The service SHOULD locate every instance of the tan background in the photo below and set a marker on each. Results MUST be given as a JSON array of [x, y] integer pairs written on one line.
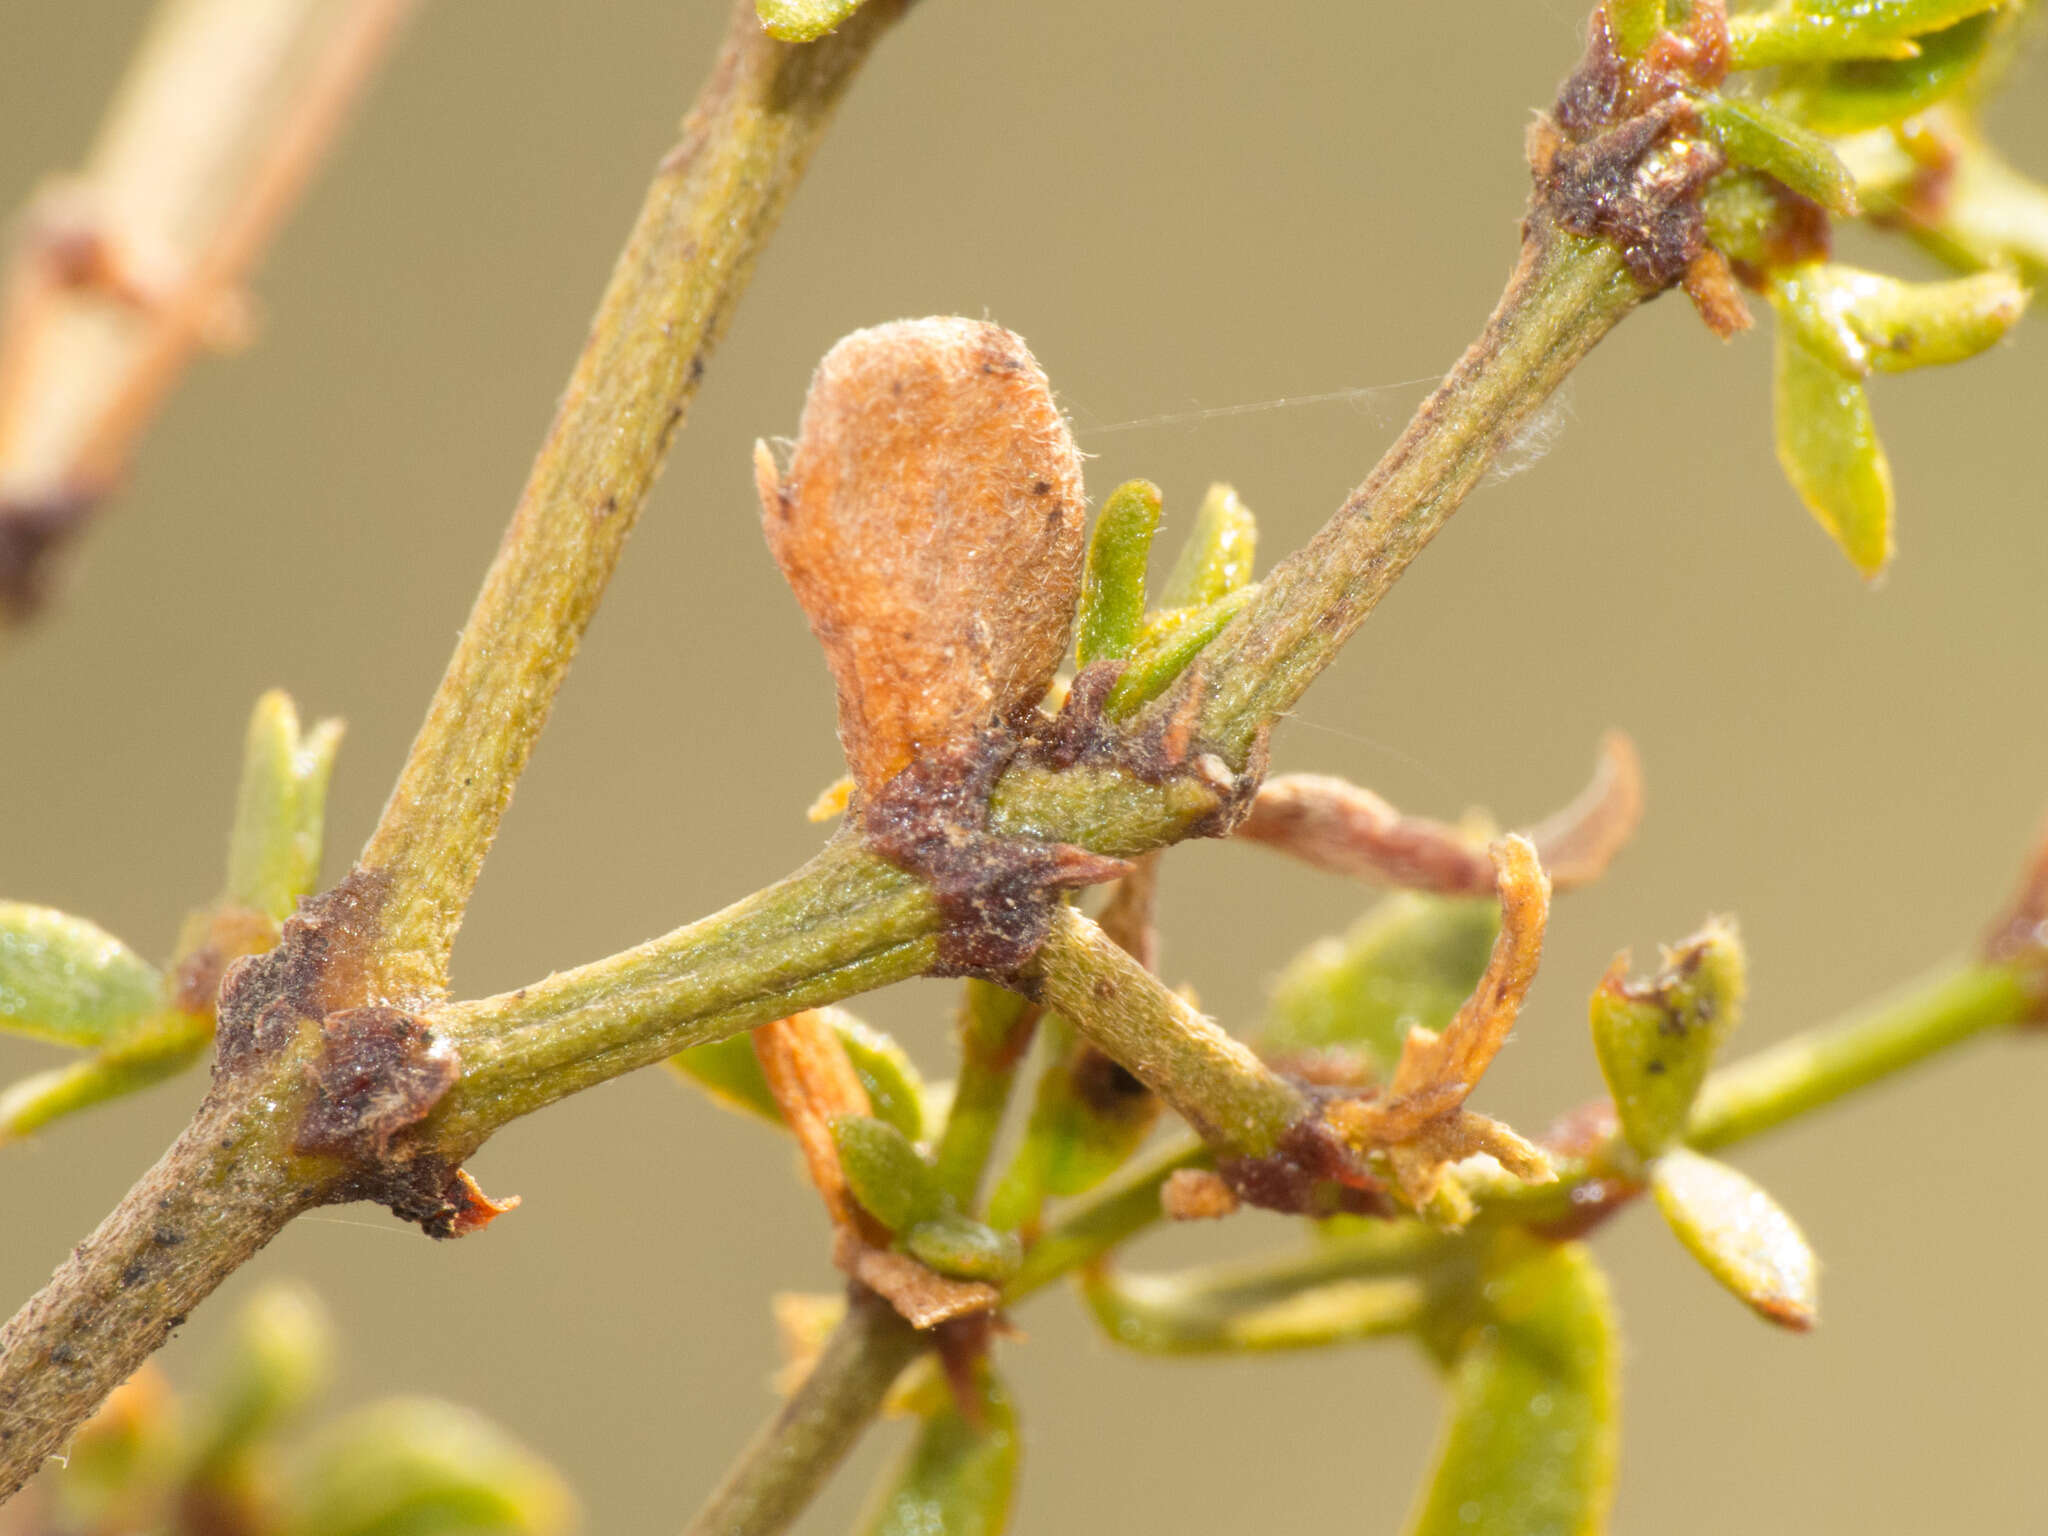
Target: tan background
[[1184, 208]]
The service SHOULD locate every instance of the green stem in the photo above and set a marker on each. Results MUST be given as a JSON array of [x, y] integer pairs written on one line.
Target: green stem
[[709, 212], [1102, 1219], [844, 923], [788, 1461], [995, 1031], [1209, 1076], [1814, 1069], [1566, 293]]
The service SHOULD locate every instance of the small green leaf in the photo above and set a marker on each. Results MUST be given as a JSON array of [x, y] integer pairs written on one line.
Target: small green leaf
[[1189, 1315], [1411, 961], [1879, 92], [161, 1046], [274, 854], [1656, 1039], [958, 1478], [1861, 322], [803, 21], [1740, 1235], [420, 1467], [886, 1173], [729, 1071], [1176, 637], [1216, 558], [1813, 31], [955, 1245], [1828, 447], [1113, 586], [278, 1359], [1529, 1447], [1752, 134], [64, 979]]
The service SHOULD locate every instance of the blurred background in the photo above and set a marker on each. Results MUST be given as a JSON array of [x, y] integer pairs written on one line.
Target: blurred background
[[1191, 212]]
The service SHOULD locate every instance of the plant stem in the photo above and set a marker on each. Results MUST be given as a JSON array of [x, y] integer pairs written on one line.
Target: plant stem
[[1208, 1075], [225, 113], [846, 922], [221, 1192], [1814, 1069], [789, 1460], [1566, 293], [995, 1031], [710, 210], [1103, 1218]]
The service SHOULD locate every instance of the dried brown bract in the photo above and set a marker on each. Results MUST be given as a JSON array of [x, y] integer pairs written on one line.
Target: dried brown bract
[[1348, 830], [1422, 1123], [930, 523], [814, 1084]]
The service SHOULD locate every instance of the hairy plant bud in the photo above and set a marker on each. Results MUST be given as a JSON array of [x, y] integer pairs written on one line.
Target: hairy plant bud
[[930, 524]]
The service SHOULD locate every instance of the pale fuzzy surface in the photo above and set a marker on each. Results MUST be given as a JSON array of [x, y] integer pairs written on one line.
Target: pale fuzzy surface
[[931, 525]]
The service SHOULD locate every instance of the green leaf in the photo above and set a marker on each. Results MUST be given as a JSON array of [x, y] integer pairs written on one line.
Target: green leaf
[[1656, 1039], [886, 1173], [729, 1071], [162, 1046], [1411, 961], [1752, 134], [1876, 93], [1862, 322], [1175, 637], [956, 1245], [1740, 1235], [274, 853], [1817, 30], [1529, 1447], [420, 1467], [64, 979], [1195, 1315], [1828, 447], [1216, 558], [803, 21], [958, 1478], [1113, 585]]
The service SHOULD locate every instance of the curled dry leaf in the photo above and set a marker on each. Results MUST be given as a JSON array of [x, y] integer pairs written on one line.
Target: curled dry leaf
[[1422, 1122], [1348, 830], [930, 524], [814, 1084]]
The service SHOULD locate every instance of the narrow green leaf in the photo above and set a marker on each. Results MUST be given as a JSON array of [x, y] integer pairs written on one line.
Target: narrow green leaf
[[161, 1046], [1176, 640], [1113, 585], [1409, 962], [729, 1071], [957, 1245], [1216, 558], [1529, 1447], [274, 854], [1828, 447], [1184, 1315], [1754, 135], [1657, 1038], [1814, 31], [1740, 1235], [957, 1479], [1919, 325], [886, 1173], [1875, 93], [803, 21], [420, 1467], [66, 980]]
